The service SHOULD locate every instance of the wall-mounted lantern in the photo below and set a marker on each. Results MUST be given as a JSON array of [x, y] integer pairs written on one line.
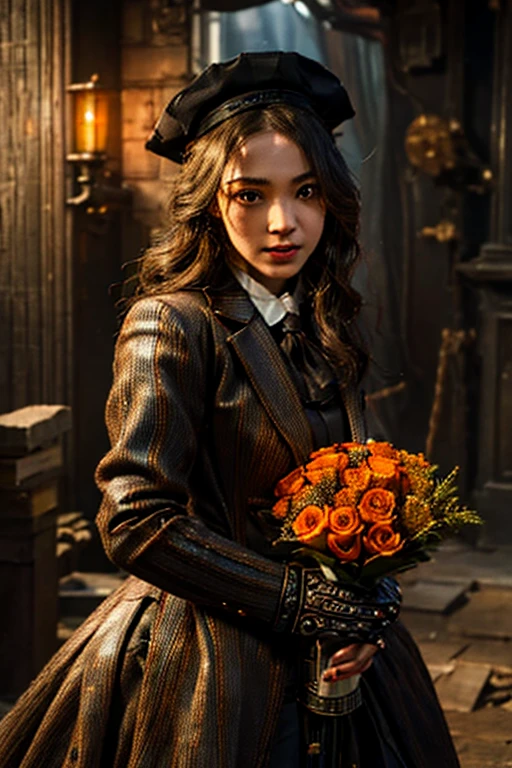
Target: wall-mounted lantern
[[90, 113], [92, 109]]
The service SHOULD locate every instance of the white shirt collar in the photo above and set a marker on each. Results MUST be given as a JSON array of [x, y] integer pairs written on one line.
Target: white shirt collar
[[272, 308]]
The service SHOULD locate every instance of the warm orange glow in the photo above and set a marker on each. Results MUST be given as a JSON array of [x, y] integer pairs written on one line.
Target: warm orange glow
[[91, 112]]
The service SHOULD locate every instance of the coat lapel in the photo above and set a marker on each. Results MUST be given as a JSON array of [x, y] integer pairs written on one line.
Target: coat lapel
[[256, 349], [254, 345], [267, 371]]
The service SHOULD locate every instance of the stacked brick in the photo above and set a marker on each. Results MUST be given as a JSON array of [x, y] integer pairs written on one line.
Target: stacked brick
[[155, 66]]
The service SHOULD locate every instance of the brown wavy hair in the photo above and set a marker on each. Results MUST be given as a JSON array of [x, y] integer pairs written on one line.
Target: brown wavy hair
[[190, 251]]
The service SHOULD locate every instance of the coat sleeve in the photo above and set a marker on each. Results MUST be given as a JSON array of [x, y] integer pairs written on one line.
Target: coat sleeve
[[154, 415]]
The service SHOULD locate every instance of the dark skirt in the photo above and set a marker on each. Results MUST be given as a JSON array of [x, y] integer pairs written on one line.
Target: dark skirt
[[389, 729], [359, 740]]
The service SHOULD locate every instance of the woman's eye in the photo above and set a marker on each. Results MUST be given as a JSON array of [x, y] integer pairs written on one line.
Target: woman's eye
[[307, 191], [247, 196]]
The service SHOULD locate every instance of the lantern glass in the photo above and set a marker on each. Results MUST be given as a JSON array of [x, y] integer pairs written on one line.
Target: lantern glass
[[91, 121]]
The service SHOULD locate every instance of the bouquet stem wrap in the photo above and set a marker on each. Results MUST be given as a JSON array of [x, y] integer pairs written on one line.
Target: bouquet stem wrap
[[322, 697]]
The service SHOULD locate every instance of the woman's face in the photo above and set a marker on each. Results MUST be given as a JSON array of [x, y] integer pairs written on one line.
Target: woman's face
[[271, 208]]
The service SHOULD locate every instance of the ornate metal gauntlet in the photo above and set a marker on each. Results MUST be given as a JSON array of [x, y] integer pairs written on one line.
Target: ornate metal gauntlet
[[325, 606]]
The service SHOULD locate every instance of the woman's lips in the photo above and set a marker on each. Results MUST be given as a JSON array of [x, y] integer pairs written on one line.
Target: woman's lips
[[282, 253]]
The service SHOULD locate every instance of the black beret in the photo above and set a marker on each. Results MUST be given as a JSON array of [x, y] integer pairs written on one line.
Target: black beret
[[249, 81]]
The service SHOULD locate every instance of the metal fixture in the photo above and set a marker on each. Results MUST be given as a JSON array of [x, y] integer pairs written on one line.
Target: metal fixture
[[92, 110]]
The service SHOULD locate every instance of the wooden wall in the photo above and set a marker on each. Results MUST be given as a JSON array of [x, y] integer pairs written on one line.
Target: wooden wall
[[35, 261]]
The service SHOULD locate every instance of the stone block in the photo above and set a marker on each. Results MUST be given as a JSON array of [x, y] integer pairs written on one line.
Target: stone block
[[139, 113], [133, 23], [144, 65], [26, 429], [138, 163]]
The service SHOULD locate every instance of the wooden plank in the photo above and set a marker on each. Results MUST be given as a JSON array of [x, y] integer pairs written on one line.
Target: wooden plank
[[424, 626], [439, 657], [25, 429], [437, 671], [441, 652], [24, 503], [460, 689], [28, 591], [480, 754], [488, 614], [434, 597], [27, 309], [35, 255], [487, 724], [14, 471], [484, 567], [497, 652], [482, 738]]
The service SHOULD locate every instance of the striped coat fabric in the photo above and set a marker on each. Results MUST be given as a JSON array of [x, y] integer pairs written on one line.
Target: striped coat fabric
[[180, 668]]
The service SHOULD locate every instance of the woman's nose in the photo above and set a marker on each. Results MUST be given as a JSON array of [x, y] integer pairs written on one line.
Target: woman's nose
[[281, 217]]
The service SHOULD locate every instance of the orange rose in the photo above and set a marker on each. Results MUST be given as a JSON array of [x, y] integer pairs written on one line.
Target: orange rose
[[319, 468], [281, 507], [291, 483], [347, 497], [382, 467], [345, 521], [383, 449], [345, 549], [357, 478], [384, 472], [381, 539], [326, 451], [377, 506], [343, 463], [327, 460], [316, 475], [310, 524]]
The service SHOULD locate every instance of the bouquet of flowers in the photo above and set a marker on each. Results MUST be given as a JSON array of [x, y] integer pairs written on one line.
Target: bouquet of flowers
[[364, 511]]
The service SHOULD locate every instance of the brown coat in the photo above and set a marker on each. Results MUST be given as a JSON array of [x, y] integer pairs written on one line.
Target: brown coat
[[180, 667]]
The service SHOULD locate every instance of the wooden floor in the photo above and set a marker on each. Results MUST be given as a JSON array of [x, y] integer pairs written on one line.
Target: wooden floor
[[459, 609]]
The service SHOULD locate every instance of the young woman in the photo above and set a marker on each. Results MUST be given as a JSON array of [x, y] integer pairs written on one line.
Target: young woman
[[233, 364]]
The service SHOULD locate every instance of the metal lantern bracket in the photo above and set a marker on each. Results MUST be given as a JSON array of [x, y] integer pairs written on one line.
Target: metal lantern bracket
[[97, 196], [91, 106]]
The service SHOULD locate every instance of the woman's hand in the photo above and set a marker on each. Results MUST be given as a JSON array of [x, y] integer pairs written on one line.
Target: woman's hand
[[349, 661]]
